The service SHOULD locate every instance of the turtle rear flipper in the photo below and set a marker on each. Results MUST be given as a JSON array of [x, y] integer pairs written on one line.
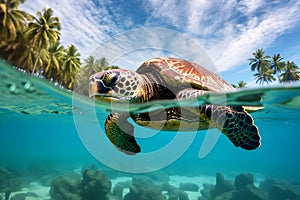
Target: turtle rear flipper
[[248, 139], [120, 133], [237, 125]]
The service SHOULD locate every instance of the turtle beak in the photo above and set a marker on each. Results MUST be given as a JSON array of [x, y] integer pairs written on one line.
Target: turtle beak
[[102, 84], [93, 89], [97, 88], [93, 86]]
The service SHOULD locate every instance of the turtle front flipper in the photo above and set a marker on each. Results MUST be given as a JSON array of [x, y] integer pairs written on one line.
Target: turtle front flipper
[[236, 124], [120, 133]]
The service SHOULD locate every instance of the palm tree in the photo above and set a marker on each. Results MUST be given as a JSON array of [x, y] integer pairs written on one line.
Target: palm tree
[[290, 73], [90, 61], [103, 63], [277, 63], [265, 76], [43, 31], [262, 65], [54, 61], [112, 67], [241, 84], [81, 85], [259, 61], [92, 65], [12, 20], [20, 52], [70, 67]]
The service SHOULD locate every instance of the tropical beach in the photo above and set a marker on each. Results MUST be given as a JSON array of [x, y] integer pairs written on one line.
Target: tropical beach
[[32, 42], [55, 141]]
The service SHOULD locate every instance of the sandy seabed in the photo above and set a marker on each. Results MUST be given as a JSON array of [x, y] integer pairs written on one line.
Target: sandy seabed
[[43, 191]]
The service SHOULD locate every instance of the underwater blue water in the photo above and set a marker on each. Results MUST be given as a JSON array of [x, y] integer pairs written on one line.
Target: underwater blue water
[[37, 126]]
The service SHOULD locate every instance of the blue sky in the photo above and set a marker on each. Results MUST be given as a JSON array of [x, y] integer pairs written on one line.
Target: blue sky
[[228, 30]]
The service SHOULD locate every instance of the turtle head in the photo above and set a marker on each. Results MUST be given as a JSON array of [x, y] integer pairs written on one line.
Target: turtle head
[[114, 85]]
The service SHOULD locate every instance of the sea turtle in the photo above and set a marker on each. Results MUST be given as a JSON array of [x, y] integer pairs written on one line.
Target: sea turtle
[[170, 78]]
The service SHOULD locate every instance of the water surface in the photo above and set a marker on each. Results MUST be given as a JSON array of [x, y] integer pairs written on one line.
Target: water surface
[[37, 126]]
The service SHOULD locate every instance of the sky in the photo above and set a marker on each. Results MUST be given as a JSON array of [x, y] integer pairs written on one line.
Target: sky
[[218, 34]]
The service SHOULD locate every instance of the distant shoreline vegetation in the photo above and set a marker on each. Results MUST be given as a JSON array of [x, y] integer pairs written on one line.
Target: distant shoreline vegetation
[[271, 68], [32, 43]]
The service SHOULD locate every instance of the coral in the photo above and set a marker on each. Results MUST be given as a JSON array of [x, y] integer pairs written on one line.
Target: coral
[[10, 181], [279, 192], [24, 196], [5, 175], [206, 192], [243, 188], [143, 188], [151, 192], [249, 192], [189, 187], [224, 196], [243, 180], [145, 192], [95, 185], [222, 185], [118, 189], [64, 188], [142, 180], [182, 195], [175, 193], [267, 184], [280, 189]]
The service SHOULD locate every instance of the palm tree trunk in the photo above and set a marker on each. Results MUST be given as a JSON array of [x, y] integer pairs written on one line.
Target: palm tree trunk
[[35, 63]]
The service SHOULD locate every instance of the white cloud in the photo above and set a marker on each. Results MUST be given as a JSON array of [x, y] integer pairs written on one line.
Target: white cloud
[[132, 48], [230, 30], [250, 6], [258, 32], [83, 23]]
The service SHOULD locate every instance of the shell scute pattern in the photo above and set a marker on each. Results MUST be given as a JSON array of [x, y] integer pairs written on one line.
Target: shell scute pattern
[[127, 85], [177, 72], [169, 78]]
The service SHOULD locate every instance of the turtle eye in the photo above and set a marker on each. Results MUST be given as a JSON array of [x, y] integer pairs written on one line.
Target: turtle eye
[[114, 80], [111, 79]]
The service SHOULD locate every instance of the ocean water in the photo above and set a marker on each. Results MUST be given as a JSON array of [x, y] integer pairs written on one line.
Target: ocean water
[[43, 125]]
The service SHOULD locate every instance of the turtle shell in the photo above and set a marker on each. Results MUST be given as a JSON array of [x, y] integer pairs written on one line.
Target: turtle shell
[[177, 73]]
